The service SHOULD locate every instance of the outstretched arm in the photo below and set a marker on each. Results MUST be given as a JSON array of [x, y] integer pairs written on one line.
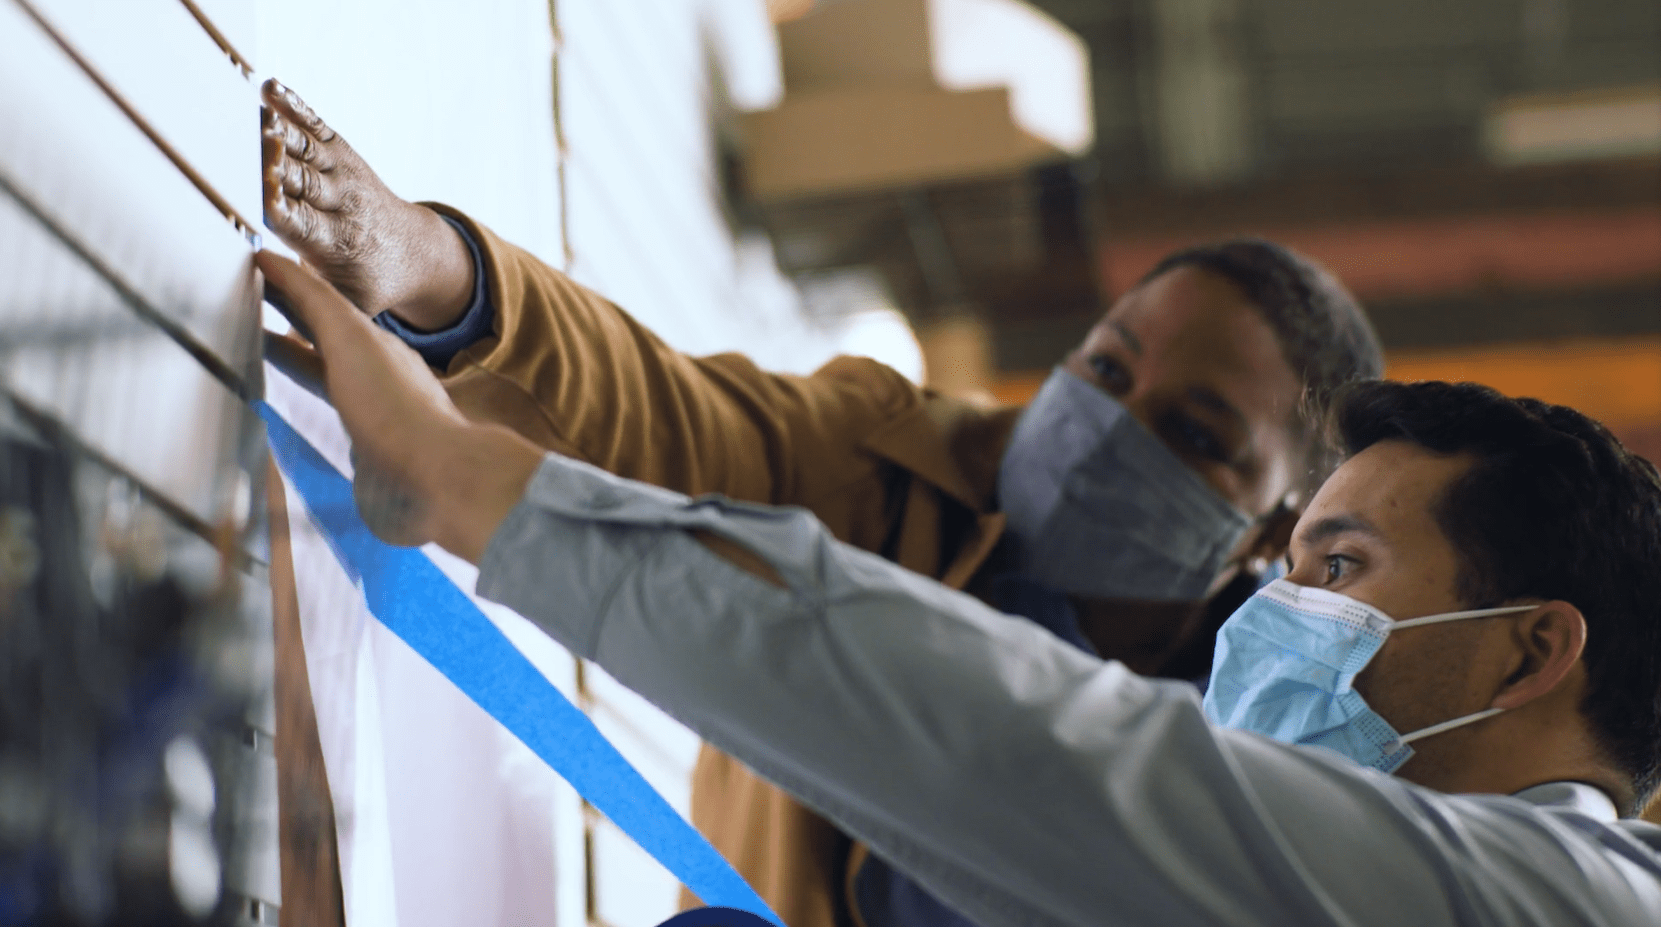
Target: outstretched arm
[[1018, 779], [557, 363]]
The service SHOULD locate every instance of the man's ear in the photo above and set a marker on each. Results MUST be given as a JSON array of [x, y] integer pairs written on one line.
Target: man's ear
[[1548, 641]]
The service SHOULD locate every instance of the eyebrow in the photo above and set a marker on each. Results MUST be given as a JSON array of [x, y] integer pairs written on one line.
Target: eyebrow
[[1338, 524], [1126, 335]]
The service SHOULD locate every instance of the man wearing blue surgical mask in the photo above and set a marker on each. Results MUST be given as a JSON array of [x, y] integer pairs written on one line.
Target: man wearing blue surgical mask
[[1473, 602], [1164, 456], [1439, 717]]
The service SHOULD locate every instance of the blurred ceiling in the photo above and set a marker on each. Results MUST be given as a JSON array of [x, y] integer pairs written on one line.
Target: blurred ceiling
[[1346, 84], [1361, 133], [1358, 133]]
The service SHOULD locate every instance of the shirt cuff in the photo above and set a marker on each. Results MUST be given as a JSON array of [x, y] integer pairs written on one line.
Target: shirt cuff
[[478, 322]]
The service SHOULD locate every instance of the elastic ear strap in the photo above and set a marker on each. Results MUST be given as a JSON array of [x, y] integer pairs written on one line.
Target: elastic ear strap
[[1455, 616], [1450, 725]]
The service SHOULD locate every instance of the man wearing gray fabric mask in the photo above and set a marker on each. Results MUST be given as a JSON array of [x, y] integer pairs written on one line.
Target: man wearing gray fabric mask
[[1165, 455]]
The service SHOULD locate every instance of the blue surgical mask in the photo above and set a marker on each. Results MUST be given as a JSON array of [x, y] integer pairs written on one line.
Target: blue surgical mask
[[1286, 663], [1099, 507]]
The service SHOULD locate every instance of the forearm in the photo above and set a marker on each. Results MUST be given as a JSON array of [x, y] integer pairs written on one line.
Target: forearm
[[576, 374], [973, 750]]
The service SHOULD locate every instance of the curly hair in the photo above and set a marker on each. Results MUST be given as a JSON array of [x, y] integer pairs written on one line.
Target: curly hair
[[1322, 330]]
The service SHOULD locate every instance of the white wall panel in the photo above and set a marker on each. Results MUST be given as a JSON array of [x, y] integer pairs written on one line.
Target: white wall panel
[[160, 61], [79, 182], [102, 183], [447, 101], [236, 21]]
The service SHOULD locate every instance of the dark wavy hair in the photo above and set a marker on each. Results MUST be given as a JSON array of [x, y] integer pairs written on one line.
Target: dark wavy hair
[[1553, 508], [1322, 330]]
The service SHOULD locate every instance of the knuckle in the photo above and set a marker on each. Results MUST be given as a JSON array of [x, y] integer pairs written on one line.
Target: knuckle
[[280, 216], [291, 182], [294, 140]]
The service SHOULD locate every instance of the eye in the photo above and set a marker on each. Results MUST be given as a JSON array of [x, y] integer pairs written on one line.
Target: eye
[[1339, 567], [1114, 376], [1188, 436]]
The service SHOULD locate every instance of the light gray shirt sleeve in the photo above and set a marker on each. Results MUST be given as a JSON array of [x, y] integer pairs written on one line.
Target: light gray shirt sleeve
[[1019, 780]]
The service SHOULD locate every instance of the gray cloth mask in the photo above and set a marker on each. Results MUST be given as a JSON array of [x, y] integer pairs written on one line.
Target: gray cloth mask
[[1100, 507]]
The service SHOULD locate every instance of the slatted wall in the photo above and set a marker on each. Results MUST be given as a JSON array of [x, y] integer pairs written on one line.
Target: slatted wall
[[129, 321]]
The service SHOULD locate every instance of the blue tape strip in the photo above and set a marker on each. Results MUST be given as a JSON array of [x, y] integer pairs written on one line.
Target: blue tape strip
[[416, 601]]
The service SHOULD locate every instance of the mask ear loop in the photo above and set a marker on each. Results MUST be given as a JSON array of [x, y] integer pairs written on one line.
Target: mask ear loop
[[1475, 716], [1456, 616], [1471, 718]]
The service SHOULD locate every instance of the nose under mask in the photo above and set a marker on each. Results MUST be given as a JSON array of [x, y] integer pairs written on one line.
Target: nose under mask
[[1100, 507]]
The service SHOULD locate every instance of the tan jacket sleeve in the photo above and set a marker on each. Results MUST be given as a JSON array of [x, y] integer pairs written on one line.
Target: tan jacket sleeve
[[578, 375]]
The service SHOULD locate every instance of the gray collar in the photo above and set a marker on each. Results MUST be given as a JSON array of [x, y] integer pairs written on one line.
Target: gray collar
[[1572, 796]]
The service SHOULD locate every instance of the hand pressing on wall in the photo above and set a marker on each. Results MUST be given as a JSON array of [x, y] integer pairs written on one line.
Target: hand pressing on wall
[[322, 200], [424, 472]]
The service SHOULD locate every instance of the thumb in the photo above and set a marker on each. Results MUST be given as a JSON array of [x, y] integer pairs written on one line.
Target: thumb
[[309, 302]]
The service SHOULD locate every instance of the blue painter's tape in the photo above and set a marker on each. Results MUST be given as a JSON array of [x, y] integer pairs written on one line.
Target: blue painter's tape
[[415, 600]]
